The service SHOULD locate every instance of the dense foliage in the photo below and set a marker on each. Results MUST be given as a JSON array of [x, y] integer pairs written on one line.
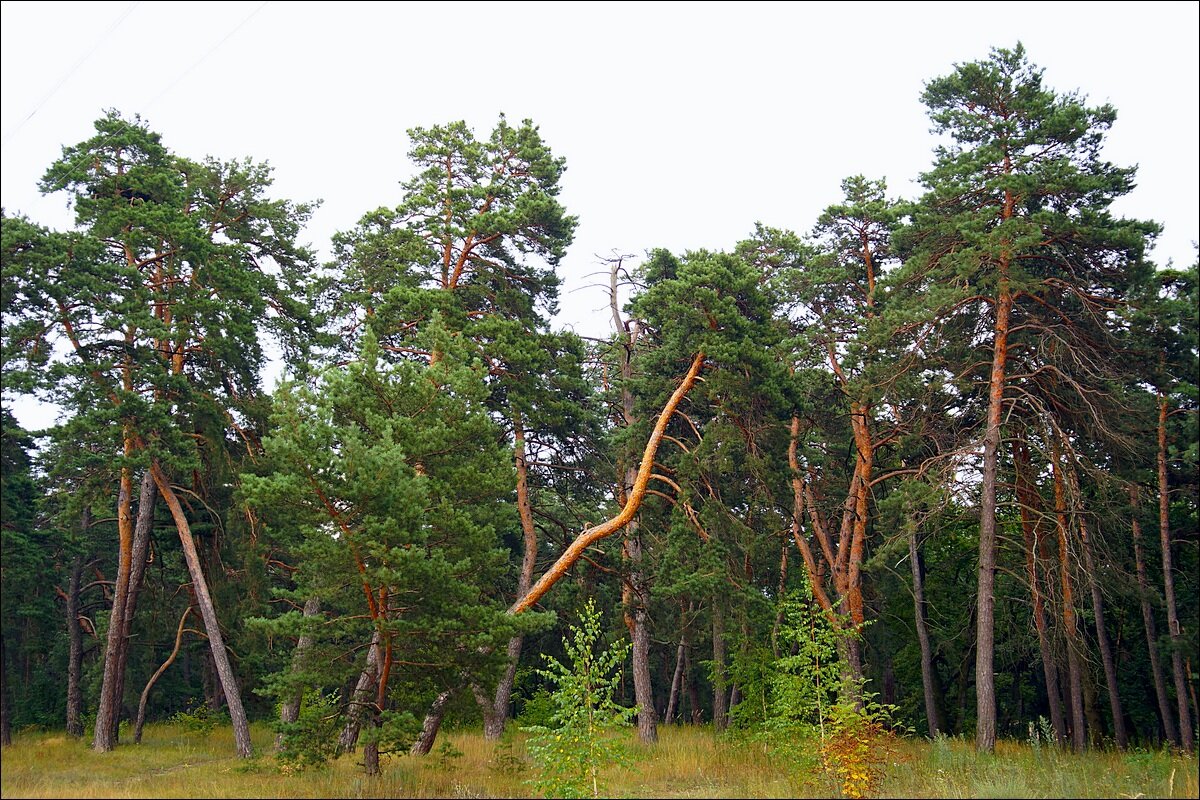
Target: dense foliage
[[936, 457]]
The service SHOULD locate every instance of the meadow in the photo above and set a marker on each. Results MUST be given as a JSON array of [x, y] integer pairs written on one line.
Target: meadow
[[174, 761]]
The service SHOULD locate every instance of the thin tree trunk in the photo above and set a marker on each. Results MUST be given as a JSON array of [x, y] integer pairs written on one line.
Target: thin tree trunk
[[1173, 628], [141, 712], [147, 494], [918, 573], [1074, 646], [720, 711], [1102, 640], [108, 706], [289, 710], [431, 725], [75, 646], [360, 698], [1031, 527], [216, 641], [1170, 732], [496, 711], [677, 678]]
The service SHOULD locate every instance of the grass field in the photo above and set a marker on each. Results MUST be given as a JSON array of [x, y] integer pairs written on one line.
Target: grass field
[[687, 762]]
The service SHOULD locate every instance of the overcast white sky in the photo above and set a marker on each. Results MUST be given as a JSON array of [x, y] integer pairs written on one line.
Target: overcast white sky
[[682, 123]]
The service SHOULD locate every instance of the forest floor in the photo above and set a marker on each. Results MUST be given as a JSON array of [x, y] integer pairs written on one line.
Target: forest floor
[[173, 761]]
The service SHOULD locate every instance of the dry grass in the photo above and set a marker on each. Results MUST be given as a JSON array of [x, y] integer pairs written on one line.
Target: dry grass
[[687, 762]]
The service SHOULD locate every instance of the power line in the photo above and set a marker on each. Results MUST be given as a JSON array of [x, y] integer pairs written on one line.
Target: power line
[[46, 97]]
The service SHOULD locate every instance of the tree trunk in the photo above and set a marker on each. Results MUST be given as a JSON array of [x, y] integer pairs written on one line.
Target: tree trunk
[[1173, 629], [141, 712], [108, 708], [676, 679], [1102, 640], [496, 710], [431, 725], [289, 710], [1074, 646], [75, 645], [985, 647], [1031, 515], [1170, 732], [720, 711], [147, 494], [360, 698], [642, 688], [216, 641], [371, 748], [918, 573]]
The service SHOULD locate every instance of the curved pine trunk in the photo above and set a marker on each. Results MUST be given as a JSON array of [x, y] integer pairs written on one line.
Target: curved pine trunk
[[141, 712]]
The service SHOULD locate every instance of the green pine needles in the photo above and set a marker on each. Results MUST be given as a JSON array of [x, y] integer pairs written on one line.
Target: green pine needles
[[582, 738]]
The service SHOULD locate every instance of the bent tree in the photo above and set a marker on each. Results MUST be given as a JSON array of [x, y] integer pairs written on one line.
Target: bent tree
[[158, 297], [1013, 234]]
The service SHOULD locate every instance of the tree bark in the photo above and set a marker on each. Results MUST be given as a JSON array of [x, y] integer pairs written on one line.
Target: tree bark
[[918, 573], [289, 710], [75, 645], [642, 688], [216, 641], [1173, 628], [141, 712], [1170, 732], [720, 711], [139, 551], [1031, 527], [431, 725], [360, 698], [985, 645], [1074, 646], [108, 706]]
